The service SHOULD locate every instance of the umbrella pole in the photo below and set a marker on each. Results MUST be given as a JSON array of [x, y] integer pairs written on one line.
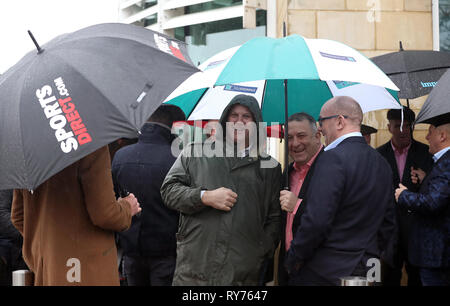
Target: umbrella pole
[[407, 103], [286, 150]]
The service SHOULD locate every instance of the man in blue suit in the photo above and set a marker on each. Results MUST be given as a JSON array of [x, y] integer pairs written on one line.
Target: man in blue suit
[[429, 244], [350, 214]]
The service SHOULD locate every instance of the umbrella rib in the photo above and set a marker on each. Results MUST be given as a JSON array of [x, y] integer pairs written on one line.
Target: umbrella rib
[[24, 74]]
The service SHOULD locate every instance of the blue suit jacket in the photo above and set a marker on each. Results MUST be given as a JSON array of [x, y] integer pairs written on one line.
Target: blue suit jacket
[[349, 218], [429, 244], [140, 169]]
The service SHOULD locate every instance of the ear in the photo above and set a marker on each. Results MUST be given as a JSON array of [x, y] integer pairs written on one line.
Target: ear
[[340, 123], [443, 136], [318, 135]]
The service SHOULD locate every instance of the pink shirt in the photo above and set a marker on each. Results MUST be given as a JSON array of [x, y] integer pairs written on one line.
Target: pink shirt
[[400, 158], [296, 178]]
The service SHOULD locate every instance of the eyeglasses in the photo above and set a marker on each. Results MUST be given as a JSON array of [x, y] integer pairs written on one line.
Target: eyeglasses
[[321, 119]]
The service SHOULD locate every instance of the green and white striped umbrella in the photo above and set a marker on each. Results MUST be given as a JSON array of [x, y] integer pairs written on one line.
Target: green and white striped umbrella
[[314, 70]]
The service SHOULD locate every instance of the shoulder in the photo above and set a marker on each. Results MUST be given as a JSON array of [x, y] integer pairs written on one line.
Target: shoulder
[[124, 151], [331, 157], [443, 163], [420, 147], [384, 148]]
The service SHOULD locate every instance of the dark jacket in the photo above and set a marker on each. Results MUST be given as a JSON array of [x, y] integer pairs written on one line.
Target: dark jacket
[[282, 273], [7, 229], [429, 244], [10, 238], [349, 217], [418, 157], [140, 169], [216, 247], [10, 241]]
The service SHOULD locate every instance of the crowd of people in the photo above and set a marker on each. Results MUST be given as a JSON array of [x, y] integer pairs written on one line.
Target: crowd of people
[[218, 220]]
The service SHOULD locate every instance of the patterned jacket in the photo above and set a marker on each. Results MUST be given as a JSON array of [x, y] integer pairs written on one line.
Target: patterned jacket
[[429, 244]]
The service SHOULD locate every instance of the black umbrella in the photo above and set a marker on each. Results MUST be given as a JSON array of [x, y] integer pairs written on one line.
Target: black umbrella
[[80, 92], [414, 72], [436, 108]]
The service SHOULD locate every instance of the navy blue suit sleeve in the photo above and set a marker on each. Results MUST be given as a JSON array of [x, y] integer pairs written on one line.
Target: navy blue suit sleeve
[[435, 196], [324, 196]]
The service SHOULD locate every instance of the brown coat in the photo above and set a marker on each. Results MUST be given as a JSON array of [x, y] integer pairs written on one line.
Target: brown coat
[[72, 215]]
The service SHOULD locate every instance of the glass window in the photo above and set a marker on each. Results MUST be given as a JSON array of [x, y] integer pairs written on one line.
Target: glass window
[[444, 25], [206, 39]]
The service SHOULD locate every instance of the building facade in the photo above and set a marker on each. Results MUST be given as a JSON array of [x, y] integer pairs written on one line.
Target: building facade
[[374, 27]]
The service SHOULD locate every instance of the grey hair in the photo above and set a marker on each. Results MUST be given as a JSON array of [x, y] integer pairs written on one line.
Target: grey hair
[[304, 117]]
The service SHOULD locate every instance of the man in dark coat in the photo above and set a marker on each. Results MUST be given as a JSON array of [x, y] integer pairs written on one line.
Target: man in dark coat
[[409, 161], [149, 246], [304, 148], [429, 244], [229, 203], [349, 220]]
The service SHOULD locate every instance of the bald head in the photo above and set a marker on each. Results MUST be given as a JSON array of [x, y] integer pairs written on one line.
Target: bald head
[[344, 105], [445, 128], [341, 115]]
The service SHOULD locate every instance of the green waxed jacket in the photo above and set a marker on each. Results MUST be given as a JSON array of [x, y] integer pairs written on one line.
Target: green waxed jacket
[[216, 247]]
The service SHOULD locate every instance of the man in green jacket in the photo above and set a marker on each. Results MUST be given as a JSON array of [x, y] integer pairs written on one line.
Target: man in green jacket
[[230, 212]]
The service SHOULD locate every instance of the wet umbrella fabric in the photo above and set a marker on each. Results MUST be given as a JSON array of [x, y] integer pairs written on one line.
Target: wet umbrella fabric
[[286, 75], [414, 72], [315, 70], [81, 92], [436, 108]]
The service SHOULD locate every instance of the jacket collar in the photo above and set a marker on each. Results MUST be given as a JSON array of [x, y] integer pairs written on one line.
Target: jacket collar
[[441, 153], [341, 139], [152, 132]]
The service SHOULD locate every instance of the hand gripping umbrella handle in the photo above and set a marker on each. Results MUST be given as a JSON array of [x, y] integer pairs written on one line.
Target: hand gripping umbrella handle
[[123, 193]]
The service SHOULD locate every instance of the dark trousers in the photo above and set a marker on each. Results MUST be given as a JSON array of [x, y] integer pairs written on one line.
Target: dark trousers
[[10, 260], [149, 271], [435, 277], [307, 277]]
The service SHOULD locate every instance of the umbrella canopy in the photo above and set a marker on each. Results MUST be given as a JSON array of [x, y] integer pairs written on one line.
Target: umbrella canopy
[[315, 70], [80, 92], [414, 72], [436, 107]]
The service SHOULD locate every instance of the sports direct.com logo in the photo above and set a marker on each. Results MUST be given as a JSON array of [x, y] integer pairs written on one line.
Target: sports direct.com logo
[[64, 119]]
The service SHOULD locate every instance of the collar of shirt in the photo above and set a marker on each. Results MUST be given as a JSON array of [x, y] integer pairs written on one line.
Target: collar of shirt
[[309, 163], [400, 151], [336, 142], [440, 153]]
